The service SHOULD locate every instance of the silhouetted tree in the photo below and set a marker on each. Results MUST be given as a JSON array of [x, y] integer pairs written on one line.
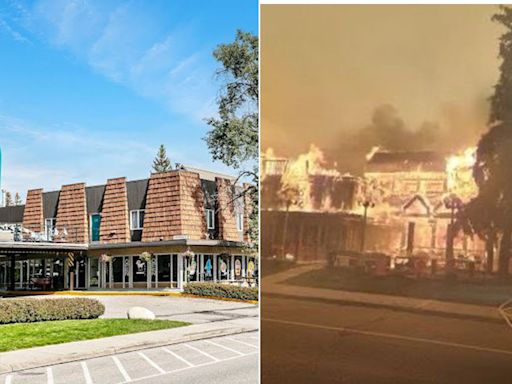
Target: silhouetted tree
[[490, 213]]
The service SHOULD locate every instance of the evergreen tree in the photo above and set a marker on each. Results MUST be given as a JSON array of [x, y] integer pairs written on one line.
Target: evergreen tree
[[490, 213], [17, 199], [161, 162], [8, 199]]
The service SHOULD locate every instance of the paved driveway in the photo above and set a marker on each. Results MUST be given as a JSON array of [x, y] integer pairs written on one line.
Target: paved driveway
[[232, 359]]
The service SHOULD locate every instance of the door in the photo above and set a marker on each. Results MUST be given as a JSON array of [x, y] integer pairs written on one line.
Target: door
[[80, 270]]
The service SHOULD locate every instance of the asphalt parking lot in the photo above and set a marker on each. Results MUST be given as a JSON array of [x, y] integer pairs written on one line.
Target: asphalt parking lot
[[190, 362]]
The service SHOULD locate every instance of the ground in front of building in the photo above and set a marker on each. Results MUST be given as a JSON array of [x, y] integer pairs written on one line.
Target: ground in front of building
[[225, 360]]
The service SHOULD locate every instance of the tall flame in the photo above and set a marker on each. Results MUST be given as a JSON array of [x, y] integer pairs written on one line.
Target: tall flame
[[459, 173]]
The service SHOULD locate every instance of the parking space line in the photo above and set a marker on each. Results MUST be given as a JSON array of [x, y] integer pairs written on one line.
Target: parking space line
[[241, 342], [201, 352], [49, 374], [179, 357], [87, 375], [8, 379], [125, 374], [151, 362], [224, 347]]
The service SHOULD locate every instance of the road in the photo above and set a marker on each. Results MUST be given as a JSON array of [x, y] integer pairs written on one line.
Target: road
[[311, 342], [222, 360]]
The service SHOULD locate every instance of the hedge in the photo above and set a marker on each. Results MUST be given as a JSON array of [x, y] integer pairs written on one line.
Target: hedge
[[221, 290], [25, 310]]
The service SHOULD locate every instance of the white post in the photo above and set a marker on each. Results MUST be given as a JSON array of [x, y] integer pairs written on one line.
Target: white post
[[110, 274], [180, 271]]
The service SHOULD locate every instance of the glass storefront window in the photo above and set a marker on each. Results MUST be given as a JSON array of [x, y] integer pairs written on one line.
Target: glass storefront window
[[94, 272], [164, 268], [117, 269], [139, 270]]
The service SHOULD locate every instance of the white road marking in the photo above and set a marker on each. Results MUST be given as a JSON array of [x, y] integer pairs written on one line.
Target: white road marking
[[179, 357], [49, 374], [125, 374], [87, 375], [190, 367], [224, 347], [201, 352], [151, 362], [394, 336], [8, 379], [241, 342]]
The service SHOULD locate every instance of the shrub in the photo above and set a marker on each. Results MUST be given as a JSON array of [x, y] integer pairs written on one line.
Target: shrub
[[221, 290], [25, 310]]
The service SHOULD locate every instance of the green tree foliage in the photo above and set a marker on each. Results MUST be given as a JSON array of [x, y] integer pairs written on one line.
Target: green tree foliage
[[161, 162], [490, 213], [233, 138]]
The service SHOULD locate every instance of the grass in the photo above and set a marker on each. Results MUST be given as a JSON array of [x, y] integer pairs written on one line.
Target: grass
[[272, 266], [28, 335], [480, 293]]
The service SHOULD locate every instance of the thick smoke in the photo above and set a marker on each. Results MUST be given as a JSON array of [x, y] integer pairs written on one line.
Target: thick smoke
[[456, 129]]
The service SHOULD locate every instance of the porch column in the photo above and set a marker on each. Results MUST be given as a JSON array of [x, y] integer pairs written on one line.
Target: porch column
[[180, 271]]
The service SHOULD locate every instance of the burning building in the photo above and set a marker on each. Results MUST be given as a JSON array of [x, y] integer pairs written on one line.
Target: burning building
[[408, 196]]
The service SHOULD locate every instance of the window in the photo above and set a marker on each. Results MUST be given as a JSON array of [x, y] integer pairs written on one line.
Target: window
[[240, 222], [94, 223], [136, 219], [49, 228], [210, 218]]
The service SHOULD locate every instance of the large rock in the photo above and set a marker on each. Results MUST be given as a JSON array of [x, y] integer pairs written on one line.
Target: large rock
[[140, 313]]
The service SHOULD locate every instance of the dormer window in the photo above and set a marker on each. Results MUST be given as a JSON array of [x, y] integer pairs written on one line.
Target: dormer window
[[240, 222], [49, 228], [210, 218], [136, 219]]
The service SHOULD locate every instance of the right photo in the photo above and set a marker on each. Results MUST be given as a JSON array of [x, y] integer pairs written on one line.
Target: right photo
[[386, 193]]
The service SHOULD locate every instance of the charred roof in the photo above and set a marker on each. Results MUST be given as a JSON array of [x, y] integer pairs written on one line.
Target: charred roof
[[406, 161]]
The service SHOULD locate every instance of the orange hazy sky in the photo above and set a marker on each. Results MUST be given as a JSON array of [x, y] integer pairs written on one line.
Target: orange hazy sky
[[325, 68]]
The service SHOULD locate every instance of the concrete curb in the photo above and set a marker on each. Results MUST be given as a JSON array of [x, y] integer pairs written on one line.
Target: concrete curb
[[86, 348], [419, 309]]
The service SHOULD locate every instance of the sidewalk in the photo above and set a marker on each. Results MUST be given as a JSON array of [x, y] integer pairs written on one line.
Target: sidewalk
[[274, 285], [80, 350]]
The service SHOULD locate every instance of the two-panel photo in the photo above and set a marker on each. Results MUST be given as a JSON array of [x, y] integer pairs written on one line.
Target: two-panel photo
[[245, 192]]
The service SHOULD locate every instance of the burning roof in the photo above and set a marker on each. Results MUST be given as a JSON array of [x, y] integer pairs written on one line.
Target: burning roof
[[405, 161]]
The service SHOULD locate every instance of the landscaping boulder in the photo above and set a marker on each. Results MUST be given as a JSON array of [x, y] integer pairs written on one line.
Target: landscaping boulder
[[140, 313]]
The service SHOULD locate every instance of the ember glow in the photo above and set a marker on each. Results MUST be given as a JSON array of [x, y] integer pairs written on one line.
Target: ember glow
[[459, 171]]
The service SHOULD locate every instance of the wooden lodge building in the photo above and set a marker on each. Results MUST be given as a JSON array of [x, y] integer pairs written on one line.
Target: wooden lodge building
[[161, 232]]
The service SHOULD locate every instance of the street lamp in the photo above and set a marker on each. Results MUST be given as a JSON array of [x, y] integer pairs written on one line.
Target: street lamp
[[453, 203], [367, 203]]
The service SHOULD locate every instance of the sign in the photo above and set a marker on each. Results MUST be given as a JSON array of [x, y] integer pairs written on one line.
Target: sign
[[141, 267], [192, 267], [180, 237], [223, 267], [250, 269], [238, 267], [208, 268]]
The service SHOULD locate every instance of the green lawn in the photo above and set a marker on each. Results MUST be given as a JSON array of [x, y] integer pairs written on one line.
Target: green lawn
[[28, 335], [490, 292]]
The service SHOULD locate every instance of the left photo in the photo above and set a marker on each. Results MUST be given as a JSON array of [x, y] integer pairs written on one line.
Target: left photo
[[129, 192]]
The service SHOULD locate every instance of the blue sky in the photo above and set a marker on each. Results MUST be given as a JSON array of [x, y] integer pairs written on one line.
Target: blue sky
[[90, 89]]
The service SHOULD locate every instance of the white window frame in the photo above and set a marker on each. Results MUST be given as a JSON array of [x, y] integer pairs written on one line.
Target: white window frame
[[210, 218], [139, 226], [49, 235], [239, 221]]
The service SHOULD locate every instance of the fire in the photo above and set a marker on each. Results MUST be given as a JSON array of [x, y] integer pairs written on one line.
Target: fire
[[459, 173]]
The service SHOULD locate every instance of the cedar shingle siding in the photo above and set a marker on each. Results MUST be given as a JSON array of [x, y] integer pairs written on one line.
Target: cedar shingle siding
[[174, 206], [33, 213], [72, 214], [114, 226], [226, 207]]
